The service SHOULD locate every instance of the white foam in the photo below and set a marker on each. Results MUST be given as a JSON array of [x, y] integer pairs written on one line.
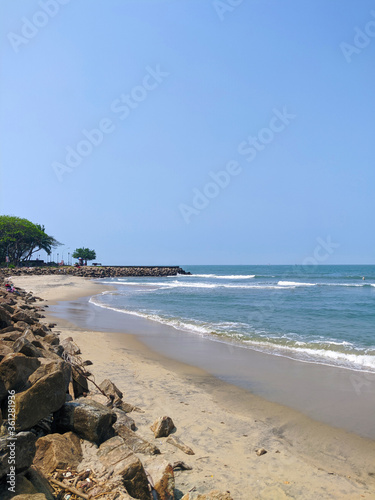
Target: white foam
[[295, 283], [225, 277]]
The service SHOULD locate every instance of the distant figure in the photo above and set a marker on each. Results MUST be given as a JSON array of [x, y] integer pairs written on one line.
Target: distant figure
[[363, 278]]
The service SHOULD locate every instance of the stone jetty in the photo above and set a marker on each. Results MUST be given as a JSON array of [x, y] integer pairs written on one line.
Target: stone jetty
[[97, 271]]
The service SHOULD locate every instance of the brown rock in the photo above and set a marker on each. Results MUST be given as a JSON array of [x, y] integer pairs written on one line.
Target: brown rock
[[162, 476], [110, 389], [25, 347], [49, 366], [58, 451], [117, 457], [80, 384], [23, 448], [15, 369], [23, 316], [47, 395], [135, 442], [175, 441], [70, 347], [123, 419], [5, 318], [162, 427], [87, 418], [40, 482]]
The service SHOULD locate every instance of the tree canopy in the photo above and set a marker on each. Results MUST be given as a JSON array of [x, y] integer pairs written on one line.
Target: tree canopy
[[84, 253], [20, 239]]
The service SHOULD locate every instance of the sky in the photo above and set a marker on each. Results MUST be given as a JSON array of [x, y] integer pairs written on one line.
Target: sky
[[177, 132]]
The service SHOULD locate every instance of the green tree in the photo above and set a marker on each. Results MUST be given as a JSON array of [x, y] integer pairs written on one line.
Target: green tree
[[20, 239], [84, 253]]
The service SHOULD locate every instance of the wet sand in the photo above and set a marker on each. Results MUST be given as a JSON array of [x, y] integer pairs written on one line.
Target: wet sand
[[222, 422]]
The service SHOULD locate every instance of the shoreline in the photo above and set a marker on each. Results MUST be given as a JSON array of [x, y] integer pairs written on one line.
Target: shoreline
[[314, 459]]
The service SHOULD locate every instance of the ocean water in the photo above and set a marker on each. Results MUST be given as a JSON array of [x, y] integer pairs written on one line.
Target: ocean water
[[316, 314]]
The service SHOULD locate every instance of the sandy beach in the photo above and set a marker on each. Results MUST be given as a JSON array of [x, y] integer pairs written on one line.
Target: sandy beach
[[222, 423]]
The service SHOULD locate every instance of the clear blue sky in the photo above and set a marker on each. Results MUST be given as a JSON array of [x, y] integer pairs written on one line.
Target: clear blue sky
[[180, 89]]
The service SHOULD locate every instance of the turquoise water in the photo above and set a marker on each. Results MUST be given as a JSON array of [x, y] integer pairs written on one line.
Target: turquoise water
[[319, 314]]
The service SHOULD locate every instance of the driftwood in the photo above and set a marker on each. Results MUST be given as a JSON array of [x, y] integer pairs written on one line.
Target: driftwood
[[71, 489]]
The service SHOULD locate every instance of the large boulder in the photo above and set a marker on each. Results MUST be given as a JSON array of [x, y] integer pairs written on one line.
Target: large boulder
[[87, 418], [120, 460], [46, 396], [58, 451], [15, 370], [5, 318], [23, 316], [21, 449], [40, 482], [49, 366], [24, 346]]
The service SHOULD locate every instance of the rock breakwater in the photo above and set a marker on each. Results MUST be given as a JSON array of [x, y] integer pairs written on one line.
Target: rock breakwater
[[62, 435], [97, 271]]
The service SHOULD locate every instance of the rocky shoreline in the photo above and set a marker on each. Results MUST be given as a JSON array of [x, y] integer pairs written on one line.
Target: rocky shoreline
[[64, 436], [97, 271]]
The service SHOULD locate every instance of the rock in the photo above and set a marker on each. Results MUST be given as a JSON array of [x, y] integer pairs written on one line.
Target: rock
[[15, 370], [87, 418], [260, 452], [23, 316], [117, 457], [40, 330], [5, 318], [162, 427], [70, 347], [48, 367], [40, 482], [179, 444], [25, 347], [23, 487], [110, 389], [23, 448], [123, 419], [13, 335], [51, 339], [99, 398], [47, 395], [162, 475], [57, 451], [4, 351], [134, 442], [80, 385]]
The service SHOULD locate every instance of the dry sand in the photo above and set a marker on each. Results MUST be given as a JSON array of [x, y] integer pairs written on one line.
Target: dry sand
[[222, 423]]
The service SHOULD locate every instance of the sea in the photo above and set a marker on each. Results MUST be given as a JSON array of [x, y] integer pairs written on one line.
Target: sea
[[315, 314]]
